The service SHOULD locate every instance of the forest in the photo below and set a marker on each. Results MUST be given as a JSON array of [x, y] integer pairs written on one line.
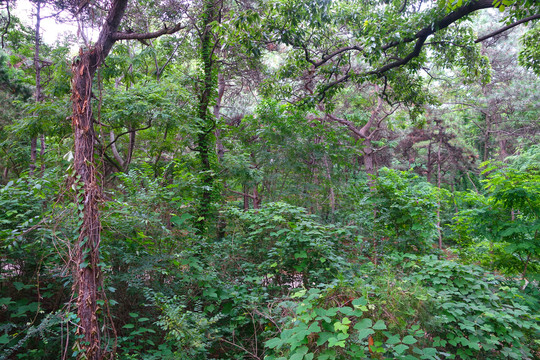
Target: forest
[[270, 179]]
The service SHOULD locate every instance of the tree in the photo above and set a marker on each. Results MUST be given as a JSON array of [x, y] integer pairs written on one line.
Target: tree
[[87, 270]]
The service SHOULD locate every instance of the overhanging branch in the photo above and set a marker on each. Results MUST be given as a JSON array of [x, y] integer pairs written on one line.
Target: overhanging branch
[[150, 35], [508, 27]]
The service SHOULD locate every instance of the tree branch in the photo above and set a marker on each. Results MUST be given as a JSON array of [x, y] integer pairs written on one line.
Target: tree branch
[[150, 35], [129, 131], [508, 27], [444, 22]]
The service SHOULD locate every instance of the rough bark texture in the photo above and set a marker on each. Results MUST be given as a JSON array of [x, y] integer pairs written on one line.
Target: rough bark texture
[[87, 272]]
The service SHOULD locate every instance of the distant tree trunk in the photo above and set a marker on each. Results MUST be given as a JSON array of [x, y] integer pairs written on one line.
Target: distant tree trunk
[[33, 155], [487, 133], [37, 68], [328, 173], [256, 198], [503, 153], [428, 164], [42, 153], [368, 155], [220, 149], [439, 186], [246, 198]]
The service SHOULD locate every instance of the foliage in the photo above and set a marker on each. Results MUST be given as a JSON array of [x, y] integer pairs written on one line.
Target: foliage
[[477, 315], [397, 213], [237, 216], [509, 212], [331, 324], [286, 246], [529, 56]]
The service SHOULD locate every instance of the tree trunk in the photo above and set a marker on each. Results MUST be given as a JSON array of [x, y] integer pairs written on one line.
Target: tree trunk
[[439, 186], [256, 198], [37, 68], [42, 153], [368, 155], [205, 138], [87, 271], [328, 172], [220, 149], [246, 197], [33, 155]]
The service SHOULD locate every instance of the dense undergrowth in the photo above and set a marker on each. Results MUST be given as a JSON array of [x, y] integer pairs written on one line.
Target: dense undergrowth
[[279, 282]]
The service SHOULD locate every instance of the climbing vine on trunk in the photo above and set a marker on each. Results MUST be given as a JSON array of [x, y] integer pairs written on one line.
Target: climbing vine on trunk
[[208, 190]]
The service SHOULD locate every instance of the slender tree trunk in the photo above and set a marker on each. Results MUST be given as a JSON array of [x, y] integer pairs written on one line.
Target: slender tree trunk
[[368, 157], [328, 173], [256, 198], [37, 68], [429, 164], [42, 153], [246, 197], [87, 271], [220, 149], [33, 155], [439, 186], [503, 154], [487, 133]]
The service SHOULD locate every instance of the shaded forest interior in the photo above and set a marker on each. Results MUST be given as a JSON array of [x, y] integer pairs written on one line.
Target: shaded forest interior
[[270, 179]]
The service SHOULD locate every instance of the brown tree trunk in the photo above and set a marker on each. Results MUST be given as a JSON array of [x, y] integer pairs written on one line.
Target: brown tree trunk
[[42, 153], [33, 155], [256, 198], [87, 271]]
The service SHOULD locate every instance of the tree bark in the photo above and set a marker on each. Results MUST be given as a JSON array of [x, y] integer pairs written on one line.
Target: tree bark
[[87, 271]]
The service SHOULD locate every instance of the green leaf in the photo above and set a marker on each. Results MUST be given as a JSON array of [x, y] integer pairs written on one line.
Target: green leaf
[[363, 324], [274, 343], [362, 334], [323, 337], [4, 339], [399, 349], [379, 325], [409, 340]]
